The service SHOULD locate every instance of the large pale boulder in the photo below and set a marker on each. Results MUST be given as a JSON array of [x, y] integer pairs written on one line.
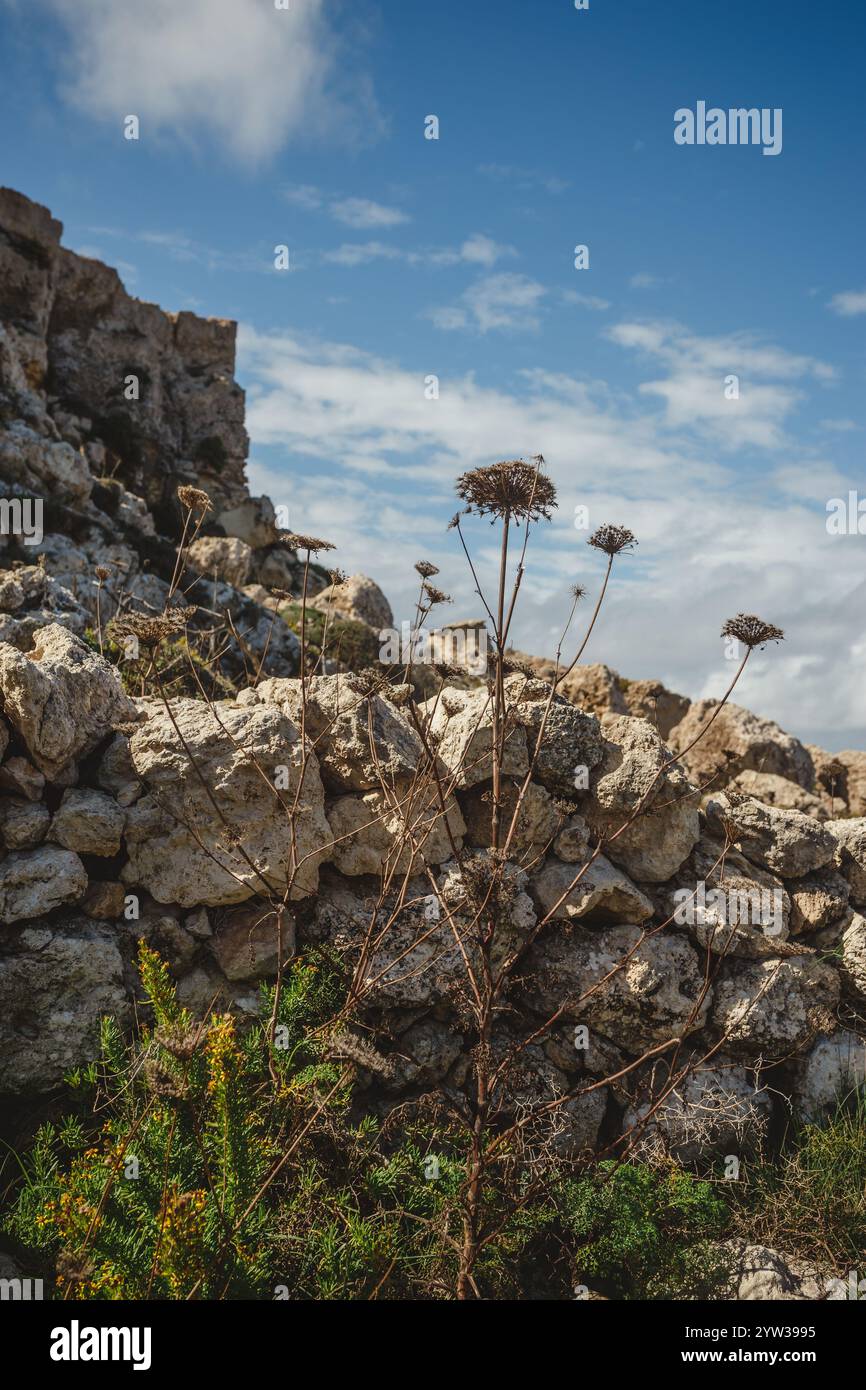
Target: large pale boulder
[[718, 1107], [635, 989], [360, 738], [460, 728], [850, 837], [603, 895], [358, 598], [730, 906], [23, 824], [571, 741], [818, 899], [737, 740], [635, 773], [56, 984], [854, 762], [760, 1275], [376, 832], [652, 701], [88, 821], [772, 1008], [49, 468], [216, 824], [538, 820], [788, 843], [36, 881], [781, 792], [833, 1070], [227, 557], [61, 697]]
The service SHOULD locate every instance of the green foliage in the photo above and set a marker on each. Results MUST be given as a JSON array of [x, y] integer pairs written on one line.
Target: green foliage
[[161, 1201], [821, 1171], [644, 1233], [354, 644]]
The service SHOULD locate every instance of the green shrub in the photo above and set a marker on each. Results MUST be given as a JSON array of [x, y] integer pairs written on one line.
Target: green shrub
[[646, 1233]]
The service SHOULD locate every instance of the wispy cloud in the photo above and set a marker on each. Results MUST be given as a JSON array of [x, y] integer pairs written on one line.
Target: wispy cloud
[[698, 560], [364, 213], [244, 74], [849, 303], [476, 250], [525, 179], [507, 301]]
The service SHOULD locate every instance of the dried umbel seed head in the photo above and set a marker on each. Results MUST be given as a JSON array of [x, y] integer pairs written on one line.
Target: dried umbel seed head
[[752, 631], [577, 592], [149, 631], [426, 570], [337, 577], [310, 543], [435, 595], [193, 497], [181, 1042], [514, 489], [102, 573], [612, 539], [281, 593]]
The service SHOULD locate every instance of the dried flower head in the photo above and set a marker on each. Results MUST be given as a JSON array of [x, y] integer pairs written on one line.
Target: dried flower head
[[310, 543], [337, 577], [752, 631], [192, 497], [102, 573], [426, 569], [436, 595], [577, 592], [612, 539], [281, 593], [148, 631], [514, 488]]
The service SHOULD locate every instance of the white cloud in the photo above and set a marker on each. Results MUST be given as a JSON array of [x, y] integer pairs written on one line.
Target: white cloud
[[698, 391], [713, 540], [241, 72], [364, 213], [506, 301], [849, 303], [476, 250], [644, 280], [586, 301]]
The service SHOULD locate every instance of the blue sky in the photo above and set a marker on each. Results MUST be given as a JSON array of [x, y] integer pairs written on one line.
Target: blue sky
[[413, 257]]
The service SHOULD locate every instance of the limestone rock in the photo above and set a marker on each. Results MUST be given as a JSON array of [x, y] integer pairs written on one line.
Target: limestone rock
[[773, 1008], [35, 881], [833, 1070], [780, 792], [818, 899], [246, 941], [181, 847], [62, 698], [787, 843], [23, 824], [358, 598], [761, 1274], [225, 556], [21, 778], [656, 987], [667, 827], [716, 1108], [359, 736], [603, 895], [374, 832], [461, 731], [738, 740], [850, 837], [56, 984], [90, 822]]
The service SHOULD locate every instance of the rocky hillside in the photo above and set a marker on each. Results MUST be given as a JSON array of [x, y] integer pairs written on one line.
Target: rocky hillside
[[707, 908]]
